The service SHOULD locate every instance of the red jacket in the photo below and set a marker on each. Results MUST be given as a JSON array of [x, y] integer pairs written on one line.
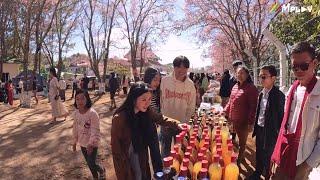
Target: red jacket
[[242, 104]]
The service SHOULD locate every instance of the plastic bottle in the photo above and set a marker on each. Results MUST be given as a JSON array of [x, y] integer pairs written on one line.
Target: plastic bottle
[[227, 155], [186, 163], [232, 170], [215, 170], [159, 176], [175, 163], [183, 175], [197, 166], [168, 171]]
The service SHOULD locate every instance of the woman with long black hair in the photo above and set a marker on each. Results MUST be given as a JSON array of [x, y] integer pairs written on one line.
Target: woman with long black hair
[[130, 136]]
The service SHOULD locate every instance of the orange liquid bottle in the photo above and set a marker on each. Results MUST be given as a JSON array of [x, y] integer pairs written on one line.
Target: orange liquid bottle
[[178, 147], [227, 155], [175, 163], [183, 173], [186, 163], [232, 170], [197, 166], [215, 170], [193, 152]]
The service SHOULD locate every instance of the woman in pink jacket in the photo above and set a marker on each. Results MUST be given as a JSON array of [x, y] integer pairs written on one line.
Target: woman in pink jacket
[[86, 132]]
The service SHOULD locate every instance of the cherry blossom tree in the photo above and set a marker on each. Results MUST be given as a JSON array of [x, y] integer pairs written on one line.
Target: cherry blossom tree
[[240, 21]]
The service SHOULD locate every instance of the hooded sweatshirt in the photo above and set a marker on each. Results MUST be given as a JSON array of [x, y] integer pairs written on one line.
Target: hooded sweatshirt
[[178, 99]]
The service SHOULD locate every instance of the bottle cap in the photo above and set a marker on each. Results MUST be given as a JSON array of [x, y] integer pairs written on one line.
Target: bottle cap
[[173, 154], [185, 162], [230, 147], [234, 157], [159, 175], [219, 140], [189, 149], [219, 151], [200, 156], [218, 146], [204, 163], [187, 154], [178, 138], [216, 158], [183, 171], [203, 150], [192, 143], [167, 161]]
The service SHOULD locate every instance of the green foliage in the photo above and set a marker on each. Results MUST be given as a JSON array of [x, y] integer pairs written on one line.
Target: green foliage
[[294, 27]]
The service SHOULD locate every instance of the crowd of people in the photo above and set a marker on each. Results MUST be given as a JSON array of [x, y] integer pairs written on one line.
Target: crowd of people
[[286, 128]]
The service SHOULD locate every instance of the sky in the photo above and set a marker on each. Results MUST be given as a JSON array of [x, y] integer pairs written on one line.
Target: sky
[[175, 45]]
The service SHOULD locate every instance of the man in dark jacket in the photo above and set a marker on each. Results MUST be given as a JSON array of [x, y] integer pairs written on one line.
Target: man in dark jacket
[[268, 120], [113, 86]]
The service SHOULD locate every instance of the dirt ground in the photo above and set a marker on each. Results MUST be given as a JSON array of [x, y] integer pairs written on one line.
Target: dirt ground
[[31, 148]]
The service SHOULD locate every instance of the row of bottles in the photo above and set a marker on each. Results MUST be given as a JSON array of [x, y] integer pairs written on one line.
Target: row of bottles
[[203, 150]]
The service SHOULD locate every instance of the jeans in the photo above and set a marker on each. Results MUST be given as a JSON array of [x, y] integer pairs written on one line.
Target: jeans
[[91, 161]]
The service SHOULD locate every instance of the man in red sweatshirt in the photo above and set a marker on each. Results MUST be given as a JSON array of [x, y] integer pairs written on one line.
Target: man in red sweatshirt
[[297, 149]]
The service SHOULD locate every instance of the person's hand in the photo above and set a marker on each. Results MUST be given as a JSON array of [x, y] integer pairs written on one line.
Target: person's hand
[[303, 171], [89, 149], [74, 147], [273, 168], [250, 128]]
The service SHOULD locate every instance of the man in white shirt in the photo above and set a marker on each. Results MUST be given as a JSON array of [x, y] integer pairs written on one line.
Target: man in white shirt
[[269, 116], [297, 150], [178, 100], [62, 90]]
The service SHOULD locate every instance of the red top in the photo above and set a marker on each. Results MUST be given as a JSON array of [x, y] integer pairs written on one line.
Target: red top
[[242, 103]]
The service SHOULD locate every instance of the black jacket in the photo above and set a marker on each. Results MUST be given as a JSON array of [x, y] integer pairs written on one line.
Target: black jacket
[[273, 117], [225, 89]]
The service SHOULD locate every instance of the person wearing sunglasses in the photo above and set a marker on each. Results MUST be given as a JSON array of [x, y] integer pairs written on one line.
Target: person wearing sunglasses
[[269, 116], [297, 150]]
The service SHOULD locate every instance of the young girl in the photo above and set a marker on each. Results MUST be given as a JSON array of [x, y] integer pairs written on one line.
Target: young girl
[[86, 132], [130, 136]]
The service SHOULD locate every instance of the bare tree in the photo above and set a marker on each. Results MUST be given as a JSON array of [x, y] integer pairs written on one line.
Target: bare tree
[[96, 28], [64, 25], [135, 15]]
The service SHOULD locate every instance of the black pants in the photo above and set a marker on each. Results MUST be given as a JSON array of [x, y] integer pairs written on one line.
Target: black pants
[[74, 90], [91, 161], [263, 154]]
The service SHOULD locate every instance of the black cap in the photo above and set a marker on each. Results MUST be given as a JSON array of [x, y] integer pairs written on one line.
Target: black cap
[[237, 63]]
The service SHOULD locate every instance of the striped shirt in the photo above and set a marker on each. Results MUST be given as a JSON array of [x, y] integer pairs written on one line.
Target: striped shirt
[[155, 101]]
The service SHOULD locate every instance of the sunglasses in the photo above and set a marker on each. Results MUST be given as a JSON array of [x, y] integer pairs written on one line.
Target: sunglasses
[[302, 66]]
